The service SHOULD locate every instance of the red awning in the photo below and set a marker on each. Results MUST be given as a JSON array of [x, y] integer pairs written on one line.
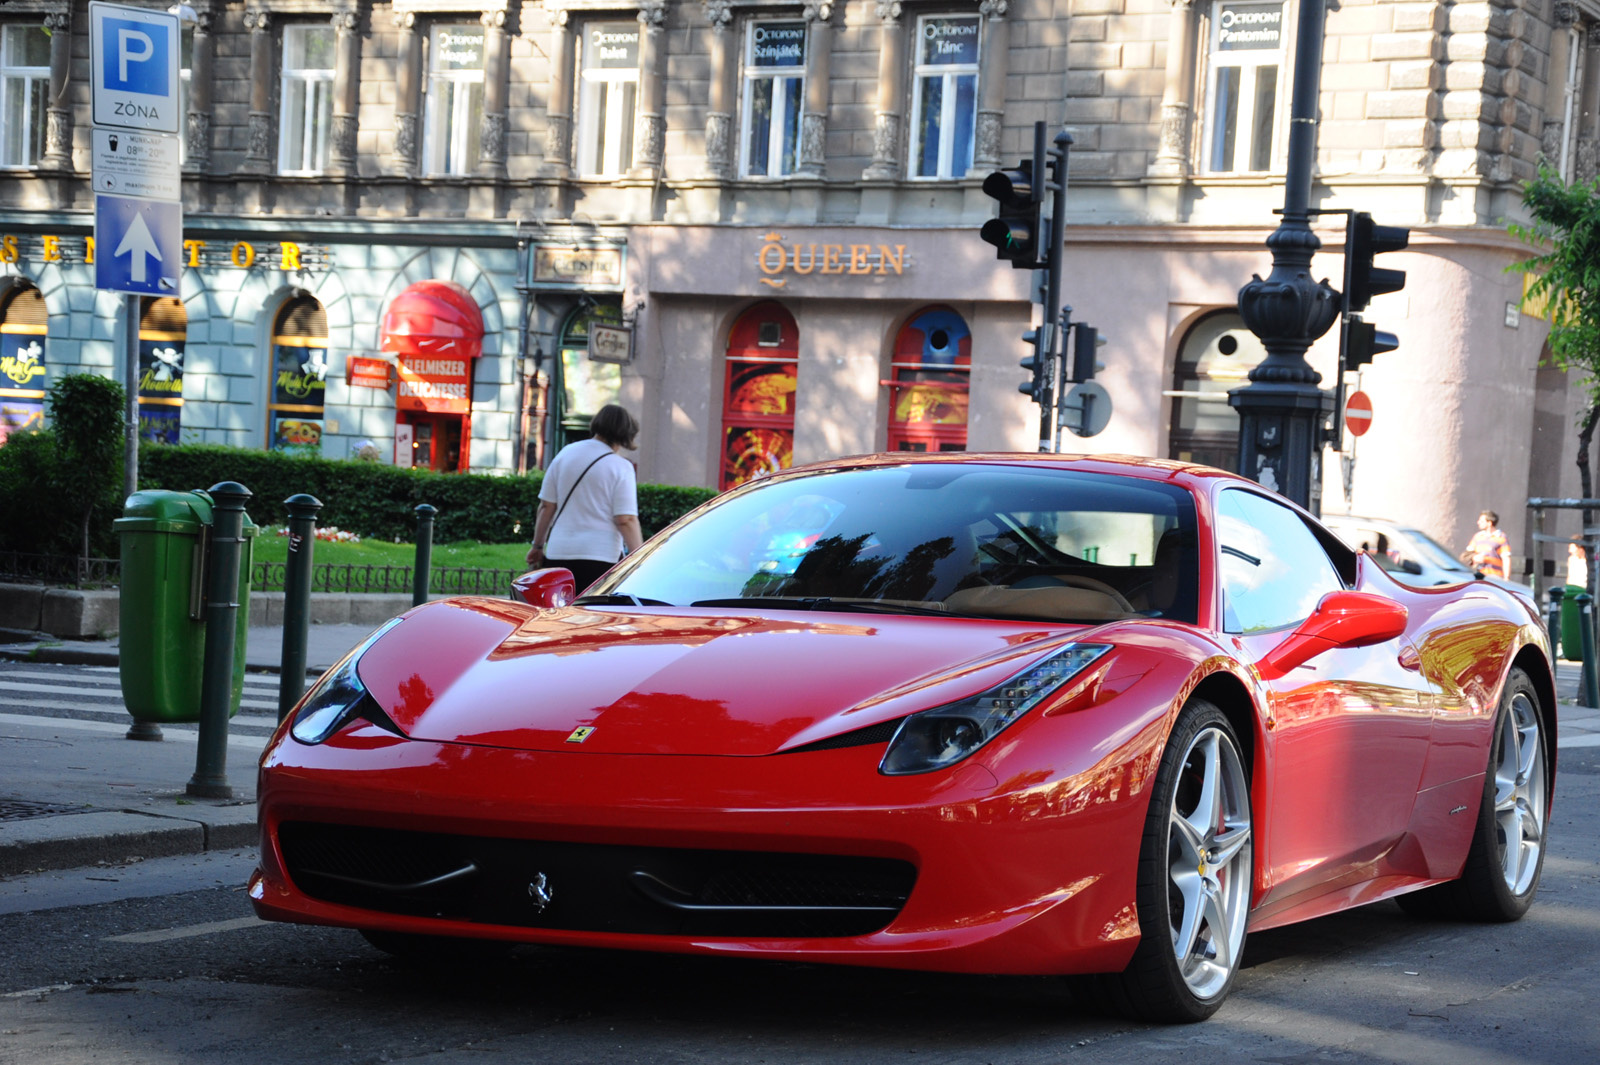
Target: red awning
[[436, 318]]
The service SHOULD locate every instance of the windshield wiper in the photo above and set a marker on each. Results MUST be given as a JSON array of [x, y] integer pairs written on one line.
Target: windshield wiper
[[787, 602], [617, 599], [870, 606]]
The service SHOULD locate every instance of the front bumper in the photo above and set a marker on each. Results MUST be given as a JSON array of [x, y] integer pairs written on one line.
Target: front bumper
[[1033, 874]]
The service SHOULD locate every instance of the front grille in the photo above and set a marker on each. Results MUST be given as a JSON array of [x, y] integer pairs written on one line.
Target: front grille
[[595, 887]]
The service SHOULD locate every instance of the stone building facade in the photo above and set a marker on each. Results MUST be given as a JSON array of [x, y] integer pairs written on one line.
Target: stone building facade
[[447, 230]]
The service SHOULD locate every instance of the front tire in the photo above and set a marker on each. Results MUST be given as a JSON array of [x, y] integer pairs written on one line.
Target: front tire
[[1196, 868], [1505, 860]]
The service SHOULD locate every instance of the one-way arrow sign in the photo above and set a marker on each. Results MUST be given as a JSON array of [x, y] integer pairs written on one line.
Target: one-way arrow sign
[[138, 245]]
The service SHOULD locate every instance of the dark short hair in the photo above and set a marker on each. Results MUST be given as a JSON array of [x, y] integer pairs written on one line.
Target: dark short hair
[[615, 426], [1494, 519]]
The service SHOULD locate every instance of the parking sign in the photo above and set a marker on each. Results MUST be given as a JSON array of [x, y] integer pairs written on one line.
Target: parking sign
[[133, 59]]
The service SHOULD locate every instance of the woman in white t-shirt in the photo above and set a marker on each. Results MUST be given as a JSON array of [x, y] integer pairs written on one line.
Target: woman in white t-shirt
[[589, 501]]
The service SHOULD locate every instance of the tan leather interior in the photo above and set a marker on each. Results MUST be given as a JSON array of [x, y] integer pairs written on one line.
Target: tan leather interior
[[1068, 604]]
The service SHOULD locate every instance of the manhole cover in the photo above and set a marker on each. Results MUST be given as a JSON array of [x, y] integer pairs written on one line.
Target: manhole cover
[[22, 809]]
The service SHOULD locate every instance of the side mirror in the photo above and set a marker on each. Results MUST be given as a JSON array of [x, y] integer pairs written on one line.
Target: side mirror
[[1342, 619], [545, 587], [1411, 566]]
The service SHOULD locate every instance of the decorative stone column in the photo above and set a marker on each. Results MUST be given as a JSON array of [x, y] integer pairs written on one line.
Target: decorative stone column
[[558, 135], [885, 163], [993, 65], [58, 114], [197, 125], [650, 124], [719, 109], [496, 65], [1177, 105], [346, 92], [814, 119], [407, 95], [258, 156], [1588, 158]]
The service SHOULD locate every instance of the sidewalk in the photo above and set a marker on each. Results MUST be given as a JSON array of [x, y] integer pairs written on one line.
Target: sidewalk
[[93, 796]]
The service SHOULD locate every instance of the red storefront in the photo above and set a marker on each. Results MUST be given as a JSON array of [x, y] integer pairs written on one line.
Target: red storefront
[[436, 331]]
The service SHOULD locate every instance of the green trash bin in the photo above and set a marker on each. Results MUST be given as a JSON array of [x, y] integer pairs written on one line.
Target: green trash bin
[[161, 647], [1571, 641]]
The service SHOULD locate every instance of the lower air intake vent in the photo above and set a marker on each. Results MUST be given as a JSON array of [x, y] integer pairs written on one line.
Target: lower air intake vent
[[595, 887]]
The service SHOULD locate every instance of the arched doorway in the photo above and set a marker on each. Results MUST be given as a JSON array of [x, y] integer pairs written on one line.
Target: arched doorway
[[1216, 355], [929, 382], [436, 331], [299, 376], [758, 394], [163, 330], [24, 322]]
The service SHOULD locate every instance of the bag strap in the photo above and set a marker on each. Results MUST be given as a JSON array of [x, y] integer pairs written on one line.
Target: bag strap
[[572, 492]]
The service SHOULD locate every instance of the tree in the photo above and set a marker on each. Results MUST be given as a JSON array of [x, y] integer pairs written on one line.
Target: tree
[[86, 414], [1566, 279]]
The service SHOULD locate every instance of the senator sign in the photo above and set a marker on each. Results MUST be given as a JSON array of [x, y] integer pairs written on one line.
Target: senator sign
[[134, 67]]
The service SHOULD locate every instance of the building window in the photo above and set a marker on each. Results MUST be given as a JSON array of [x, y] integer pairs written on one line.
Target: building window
[[163, 330], [299, 377], [929, 382], [307, 109], [24, 323], [1217, 354], [24, 90], [944, 105], [774, 96], [759, 392], [1242, 86], [454, 108], [608, 98], [584, 385]]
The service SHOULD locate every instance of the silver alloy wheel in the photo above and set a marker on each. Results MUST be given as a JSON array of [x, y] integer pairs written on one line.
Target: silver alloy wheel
[[1209, 862], [1520, 794]]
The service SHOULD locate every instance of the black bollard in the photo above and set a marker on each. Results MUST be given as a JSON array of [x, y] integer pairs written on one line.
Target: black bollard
[[1554, 623], [297, 599], [419, 580], [210, 780], [1591, 685]]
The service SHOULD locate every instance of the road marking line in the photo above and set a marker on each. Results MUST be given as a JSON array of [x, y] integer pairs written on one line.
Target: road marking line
[[176, 732], [28, 674], [1590, 740], [96, 693], [268, 721], [162, 935]]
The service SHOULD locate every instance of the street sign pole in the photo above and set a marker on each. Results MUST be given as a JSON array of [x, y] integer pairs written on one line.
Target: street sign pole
[[138, 211]]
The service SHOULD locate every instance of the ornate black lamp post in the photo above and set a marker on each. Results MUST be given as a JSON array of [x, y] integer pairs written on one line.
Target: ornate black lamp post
[[1281, 410]]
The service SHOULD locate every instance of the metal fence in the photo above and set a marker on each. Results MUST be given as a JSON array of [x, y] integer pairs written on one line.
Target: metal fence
[[443, 580], [60, 569]]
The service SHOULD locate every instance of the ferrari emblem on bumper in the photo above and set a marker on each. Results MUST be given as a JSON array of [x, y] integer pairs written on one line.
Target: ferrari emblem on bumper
[[579, 734], [539, 893]]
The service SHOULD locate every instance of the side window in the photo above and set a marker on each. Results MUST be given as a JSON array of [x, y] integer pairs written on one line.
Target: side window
[[453, 113], [774, 96], [1244, 57], [307, 108], [24, 84], [944, 104], [1274, 570], [608, 98]]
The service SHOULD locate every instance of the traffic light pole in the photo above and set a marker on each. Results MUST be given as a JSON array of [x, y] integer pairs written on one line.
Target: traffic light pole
[[1281, 410], [1053, 313]]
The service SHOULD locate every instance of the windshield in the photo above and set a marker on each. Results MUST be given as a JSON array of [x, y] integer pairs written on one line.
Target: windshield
[[982, 540], [1432, 551]]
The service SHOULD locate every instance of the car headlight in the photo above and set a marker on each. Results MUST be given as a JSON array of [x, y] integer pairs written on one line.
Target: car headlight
[[943, 736], [339, 697]]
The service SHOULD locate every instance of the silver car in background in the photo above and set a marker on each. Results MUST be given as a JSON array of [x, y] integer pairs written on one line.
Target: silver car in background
[[1410, 556]]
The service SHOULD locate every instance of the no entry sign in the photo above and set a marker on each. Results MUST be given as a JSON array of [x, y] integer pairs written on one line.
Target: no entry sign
[[1358, 413]]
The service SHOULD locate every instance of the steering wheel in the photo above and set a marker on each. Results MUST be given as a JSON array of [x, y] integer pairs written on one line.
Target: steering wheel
[[1072, 580]]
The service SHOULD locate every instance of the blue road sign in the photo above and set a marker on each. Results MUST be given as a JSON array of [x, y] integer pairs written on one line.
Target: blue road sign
[[133, 61], [138, 245]]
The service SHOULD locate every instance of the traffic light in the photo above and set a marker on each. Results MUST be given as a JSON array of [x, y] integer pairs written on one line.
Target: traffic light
[[1363, 340], [1017, 230], [1086, 345], [1037, 364], [1362, 241]]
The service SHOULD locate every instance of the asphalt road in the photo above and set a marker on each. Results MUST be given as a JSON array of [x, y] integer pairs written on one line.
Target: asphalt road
[[162, 961]]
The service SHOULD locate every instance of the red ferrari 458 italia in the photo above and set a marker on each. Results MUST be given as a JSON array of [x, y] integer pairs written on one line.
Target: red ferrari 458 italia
[[975, 713]]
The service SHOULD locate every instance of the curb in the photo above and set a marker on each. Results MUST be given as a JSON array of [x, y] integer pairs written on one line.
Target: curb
[[58, 655], [72, 841]]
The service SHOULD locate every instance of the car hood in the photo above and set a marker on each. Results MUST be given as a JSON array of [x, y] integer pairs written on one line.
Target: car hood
[[679, 680]]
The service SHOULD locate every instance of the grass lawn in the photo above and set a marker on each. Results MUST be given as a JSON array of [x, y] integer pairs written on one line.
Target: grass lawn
[[270, 547]]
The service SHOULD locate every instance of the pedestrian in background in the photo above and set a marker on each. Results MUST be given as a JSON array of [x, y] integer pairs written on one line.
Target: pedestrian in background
[[1577, 565], [1488, 553], [589, 501]]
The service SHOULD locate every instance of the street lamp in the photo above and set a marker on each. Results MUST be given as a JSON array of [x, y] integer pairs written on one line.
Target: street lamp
[[1281, 410]]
